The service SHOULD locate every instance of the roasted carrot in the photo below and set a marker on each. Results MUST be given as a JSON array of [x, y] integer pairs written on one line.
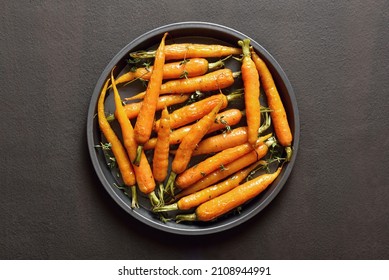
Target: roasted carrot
[[189, 50], [242, 162], [132, 109], [251, 85], [223, 120], [197, 198], [119, 152], [161, 152], [278, 114], [220, 142], [210, 164], [143, 172], [215, 80], [197, 110], [173, 70], [228, 201], [188, 144], [145, 120]]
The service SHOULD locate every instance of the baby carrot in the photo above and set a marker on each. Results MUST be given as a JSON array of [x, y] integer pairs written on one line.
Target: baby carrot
[[144, 123], [189, 50], [173, 70], [223, 121], [197, 110], [123, 162], [161, 152], [221, 173], [215, 80], [210, 164], [197, 198], [132, 109], [143, 172], [228, 201], [250, 79], [278, 114], [188, 144], [220, 142]]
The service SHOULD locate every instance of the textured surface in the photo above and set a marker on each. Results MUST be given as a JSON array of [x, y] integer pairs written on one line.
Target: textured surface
[[335, 204]]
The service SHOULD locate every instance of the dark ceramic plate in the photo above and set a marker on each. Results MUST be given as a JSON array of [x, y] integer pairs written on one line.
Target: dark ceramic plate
[[193, 32]]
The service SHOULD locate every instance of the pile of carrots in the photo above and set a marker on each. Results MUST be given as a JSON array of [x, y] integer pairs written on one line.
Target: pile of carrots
[[182, 143]]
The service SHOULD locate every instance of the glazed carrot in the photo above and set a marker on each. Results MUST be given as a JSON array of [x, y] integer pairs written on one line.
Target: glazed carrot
[[132, 109], [251, 85], [220, 142], [278, 114], [197, 198], [188, 144], [161, 152], [143, 172], [174, 70], [228, 201], [223, 121], [197, 110], [188, 50], [215, 80], [242, 162], [210, 164], [120, 153], [145, 120]]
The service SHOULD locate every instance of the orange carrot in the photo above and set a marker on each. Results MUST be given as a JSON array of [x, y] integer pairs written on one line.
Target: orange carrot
[[197, 198], [250, 79], [215, 80], [143, 172], [223, 121], [197, 110], [188, 144], [188, 50], [210, 164], [278, 114], [120, 153], [174, 70], [220, 142], [133, 109], [144, 123], [228, 201], [161, 152], [242, 162]]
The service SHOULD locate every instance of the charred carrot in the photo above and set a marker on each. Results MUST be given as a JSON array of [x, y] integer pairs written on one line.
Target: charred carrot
[[278, 114], [197, 110], [188, 144], [223, 121], [220, 174], [145, 120], [251, 85], [215, 80], [197, 198], [228, 201], [132, 109], [188, 50], [174, 70], [161, 152], [143, 172], [120, 153]]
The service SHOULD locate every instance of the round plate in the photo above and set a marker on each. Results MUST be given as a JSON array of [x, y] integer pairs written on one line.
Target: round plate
[[192, 32]]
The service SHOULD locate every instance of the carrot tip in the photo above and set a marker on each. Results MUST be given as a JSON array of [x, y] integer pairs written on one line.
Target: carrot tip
[[289, 152], [139, 151], [186, 217], [155, 202], [134, 196]]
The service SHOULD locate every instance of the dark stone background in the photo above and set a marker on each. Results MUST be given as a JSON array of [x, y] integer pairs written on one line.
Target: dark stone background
[[335, 203]]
